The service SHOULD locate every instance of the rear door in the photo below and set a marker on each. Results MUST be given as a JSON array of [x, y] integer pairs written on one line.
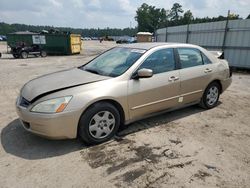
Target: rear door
[[195, 73], [148, 95]]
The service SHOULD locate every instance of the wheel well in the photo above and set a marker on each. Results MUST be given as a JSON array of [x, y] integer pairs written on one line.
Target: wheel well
[[118, 107], [218, 82], [115, 104]]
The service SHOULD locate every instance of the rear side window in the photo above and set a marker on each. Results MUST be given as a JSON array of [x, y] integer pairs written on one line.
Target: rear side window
[[189, 57], [205, 59], [160, 61]]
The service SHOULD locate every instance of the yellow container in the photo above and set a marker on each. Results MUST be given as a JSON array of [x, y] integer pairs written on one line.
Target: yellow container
[[75, 43]]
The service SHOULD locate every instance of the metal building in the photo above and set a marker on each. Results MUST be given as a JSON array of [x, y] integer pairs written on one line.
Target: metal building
[[233, 37]]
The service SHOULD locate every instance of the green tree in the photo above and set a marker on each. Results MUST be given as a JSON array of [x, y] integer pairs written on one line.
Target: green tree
[[233, 16], [175, 12], [248, 17], [187, 17], [150, 18]]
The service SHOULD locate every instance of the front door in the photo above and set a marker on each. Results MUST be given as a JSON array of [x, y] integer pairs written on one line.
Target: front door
[[149, 95]]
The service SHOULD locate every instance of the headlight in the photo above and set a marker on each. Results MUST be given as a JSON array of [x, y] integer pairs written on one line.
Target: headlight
[[52, 105]]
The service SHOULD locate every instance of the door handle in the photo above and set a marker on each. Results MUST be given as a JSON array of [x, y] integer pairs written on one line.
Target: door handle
[[173, 78], [208, 70]]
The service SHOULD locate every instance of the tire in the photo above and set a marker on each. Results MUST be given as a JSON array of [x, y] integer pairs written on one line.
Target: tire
[[43, 53], [211, 96], [99, 123], [24, 54]]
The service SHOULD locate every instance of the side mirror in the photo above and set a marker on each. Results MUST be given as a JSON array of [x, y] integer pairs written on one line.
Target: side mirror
[[143, 73]]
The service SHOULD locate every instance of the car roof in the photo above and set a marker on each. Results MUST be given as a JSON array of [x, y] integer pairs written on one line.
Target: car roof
[[149, 45]]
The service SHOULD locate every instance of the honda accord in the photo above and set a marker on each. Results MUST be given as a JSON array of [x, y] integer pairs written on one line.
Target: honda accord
[[122, 85]]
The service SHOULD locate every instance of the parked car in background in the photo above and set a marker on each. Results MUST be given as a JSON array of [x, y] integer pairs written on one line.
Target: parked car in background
[[3, 38], [85, 38], [22, 50], [122, 41], [126, 41], [94, 38], [122, 85]]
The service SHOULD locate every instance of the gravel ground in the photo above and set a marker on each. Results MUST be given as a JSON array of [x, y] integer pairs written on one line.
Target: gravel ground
[[190, 147]]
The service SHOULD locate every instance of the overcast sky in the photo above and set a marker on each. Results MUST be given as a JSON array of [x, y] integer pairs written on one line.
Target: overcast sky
[[105, 13]]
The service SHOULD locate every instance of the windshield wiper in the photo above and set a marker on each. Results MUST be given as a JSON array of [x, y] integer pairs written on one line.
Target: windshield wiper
[[92, 71]]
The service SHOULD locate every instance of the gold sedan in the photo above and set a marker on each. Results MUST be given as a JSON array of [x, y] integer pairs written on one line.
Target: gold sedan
[[122, 85]]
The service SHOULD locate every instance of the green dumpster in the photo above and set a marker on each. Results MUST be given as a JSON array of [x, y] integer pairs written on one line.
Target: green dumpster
[[55, 44]]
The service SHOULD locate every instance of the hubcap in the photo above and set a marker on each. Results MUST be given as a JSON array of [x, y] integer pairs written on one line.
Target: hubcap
[[212, 95], [102, 124], [24, 55], [43, 54]]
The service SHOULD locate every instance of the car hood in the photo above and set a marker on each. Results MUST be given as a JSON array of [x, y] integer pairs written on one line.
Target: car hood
[[53, 82]]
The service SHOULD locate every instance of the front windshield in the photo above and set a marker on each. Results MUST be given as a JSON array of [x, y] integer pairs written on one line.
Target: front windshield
[[114, 62]]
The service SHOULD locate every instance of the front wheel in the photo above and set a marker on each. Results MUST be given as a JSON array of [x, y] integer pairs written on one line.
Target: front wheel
[[24, 54], [43, 53], [99, 123], [211, 96]]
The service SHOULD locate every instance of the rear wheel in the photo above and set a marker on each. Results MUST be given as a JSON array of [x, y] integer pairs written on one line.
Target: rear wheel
[[211, 96], [43, 53], [24, 54], [99, 123]]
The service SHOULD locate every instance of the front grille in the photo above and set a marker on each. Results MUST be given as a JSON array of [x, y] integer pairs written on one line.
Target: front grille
[[23, 102]]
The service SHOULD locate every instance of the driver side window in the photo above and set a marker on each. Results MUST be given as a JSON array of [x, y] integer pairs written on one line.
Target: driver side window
[[160, 61]]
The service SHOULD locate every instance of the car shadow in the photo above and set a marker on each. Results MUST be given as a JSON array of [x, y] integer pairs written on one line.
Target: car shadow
[[19, 142], [159, 120], [8, 58]]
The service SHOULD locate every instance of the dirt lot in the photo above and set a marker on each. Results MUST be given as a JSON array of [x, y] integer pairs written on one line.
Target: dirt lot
[[185, 148]]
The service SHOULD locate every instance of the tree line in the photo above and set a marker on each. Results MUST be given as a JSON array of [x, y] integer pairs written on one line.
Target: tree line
[[10, 28], [149, 18]]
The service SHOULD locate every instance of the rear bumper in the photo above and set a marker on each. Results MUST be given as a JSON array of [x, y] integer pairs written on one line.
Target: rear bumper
[[53, 126], [226, 83]]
